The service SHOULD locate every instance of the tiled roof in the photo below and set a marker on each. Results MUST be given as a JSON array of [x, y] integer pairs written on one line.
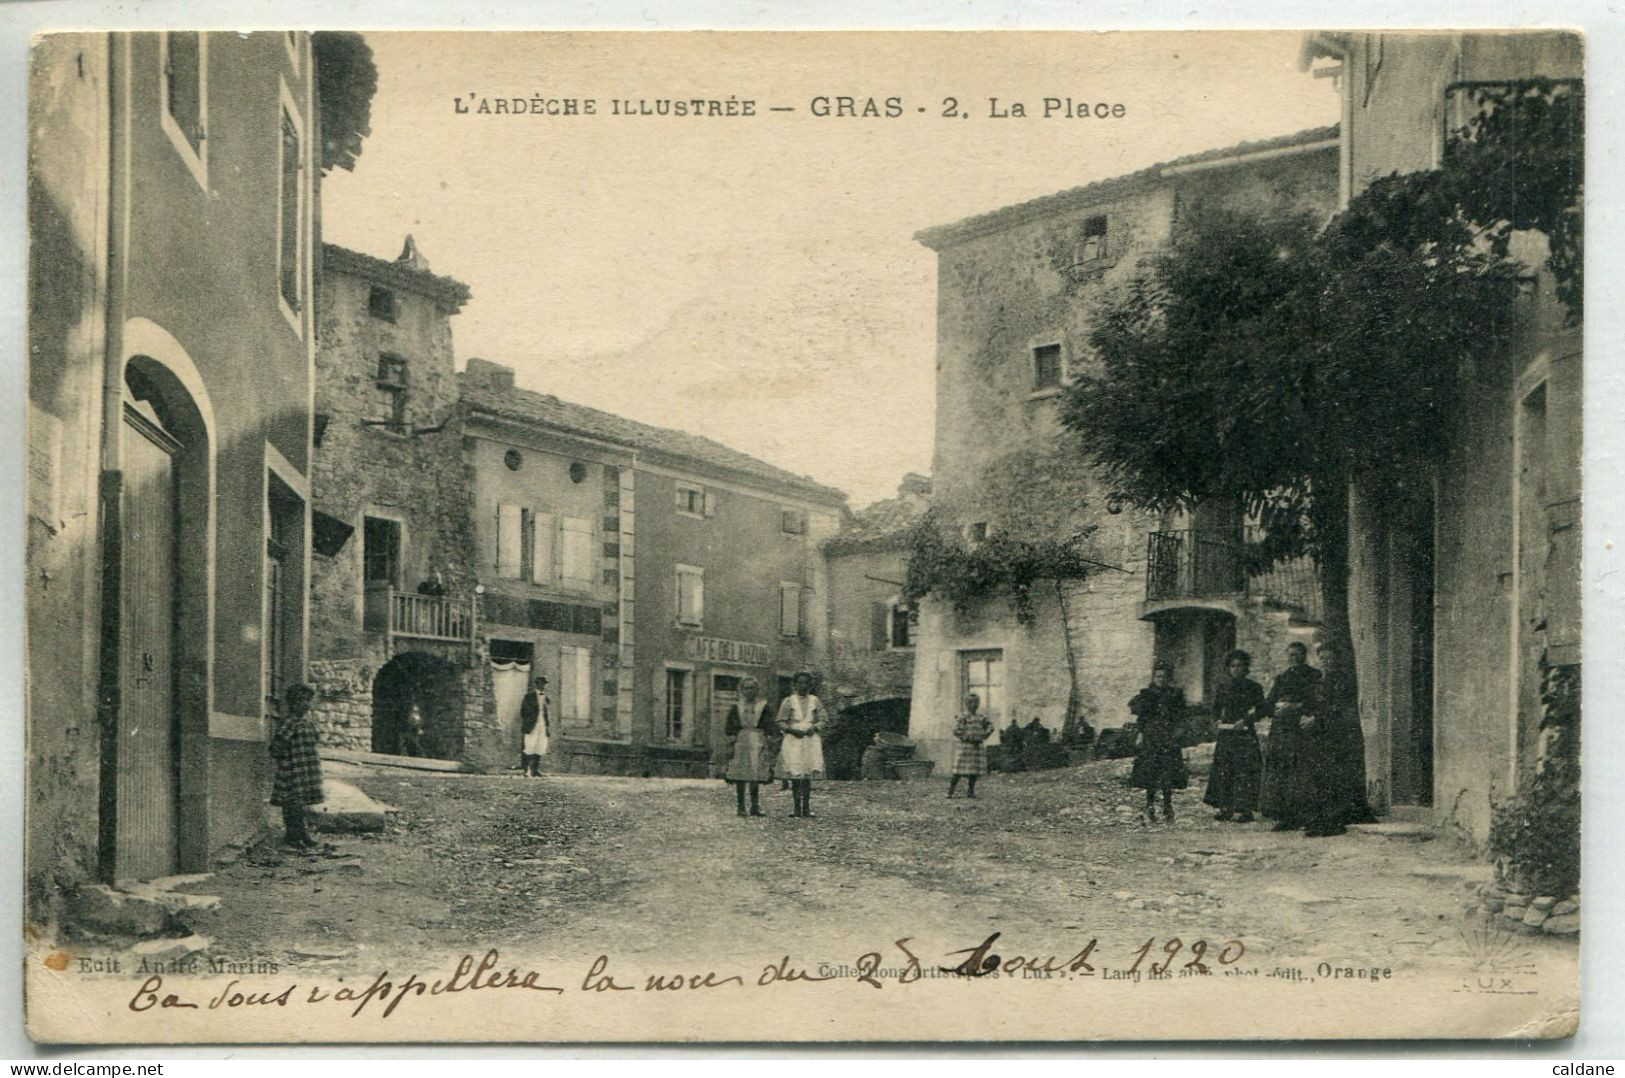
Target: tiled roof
[[1115, 187], [405, 275], [881, 525], [543, 410]]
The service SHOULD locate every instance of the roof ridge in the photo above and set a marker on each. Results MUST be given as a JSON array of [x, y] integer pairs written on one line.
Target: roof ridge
[[494, 400], [1113, 186]]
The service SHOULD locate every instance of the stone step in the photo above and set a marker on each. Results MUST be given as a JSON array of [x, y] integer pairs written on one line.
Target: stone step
[[384, 759], [348, 811]]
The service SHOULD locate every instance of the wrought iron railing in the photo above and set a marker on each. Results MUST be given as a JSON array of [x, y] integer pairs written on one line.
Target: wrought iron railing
[[1212, 564]]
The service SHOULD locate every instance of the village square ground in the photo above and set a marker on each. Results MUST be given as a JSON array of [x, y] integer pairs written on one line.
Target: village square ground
[[657, 873]]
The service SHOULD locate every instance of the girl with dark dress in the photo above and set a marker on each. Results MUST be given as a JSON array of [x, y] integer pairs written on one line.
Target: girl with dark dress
[[1330, 790], [750, 729], [1291, 697], [1159, 711], [1238, 765]]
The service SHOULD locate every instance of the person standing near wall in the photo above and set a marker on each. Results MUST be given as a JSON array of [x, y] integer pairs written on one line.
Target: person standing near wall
[[749, 728], [1331, 778], [536, 724], [802, 720], [296, 782]]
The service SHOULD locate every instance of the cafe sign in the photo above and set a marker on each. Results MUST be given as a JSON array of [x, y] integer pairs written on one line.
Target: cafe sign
[[716, 650]]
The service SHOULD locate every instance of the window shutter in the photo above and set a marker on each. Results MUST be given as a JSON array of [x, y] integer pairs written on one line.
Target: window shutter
[[510, 539], [541, 548], [880, 625], [710, 504], [583, 685], [567, 683]]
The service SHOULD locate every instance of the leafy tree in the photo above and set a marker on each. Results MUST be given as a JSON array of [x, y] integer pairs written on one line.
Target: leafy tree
[[1261, 361], [346, 80]]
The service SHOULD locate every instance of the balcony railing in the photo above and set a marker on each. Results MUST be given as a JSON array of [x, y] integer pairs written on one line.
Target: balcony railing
[[422, 617], [1211, 564]]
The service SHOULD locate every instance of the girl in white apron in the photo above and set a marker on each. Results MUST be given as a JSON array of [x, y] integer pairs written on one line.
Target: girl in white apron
[[749, 726], [802, 720]]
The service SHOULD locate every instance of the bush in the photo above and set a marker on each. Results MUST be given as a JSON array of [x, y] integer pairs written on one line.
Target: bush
[[1538, 833]]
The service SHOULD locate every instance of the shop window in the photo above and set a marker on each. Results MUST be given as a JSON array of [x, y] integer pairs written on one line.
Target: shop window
[[677, 704]]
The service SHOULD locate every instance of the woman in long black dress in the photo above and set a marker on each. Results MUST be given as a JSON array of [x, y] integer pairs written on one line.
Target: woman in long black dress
[[1331, 777], [1159, 765], [1232, 785], [1291, 697]]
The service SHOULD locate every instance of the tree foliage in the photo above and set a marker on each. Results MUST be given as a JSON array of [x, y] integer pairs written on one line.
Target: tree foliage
[[1519, 163], [346, 80]]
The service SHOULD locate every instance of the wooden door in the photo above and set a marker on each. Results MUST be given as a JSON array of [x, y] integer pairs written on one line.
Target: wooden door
[[146, 751]]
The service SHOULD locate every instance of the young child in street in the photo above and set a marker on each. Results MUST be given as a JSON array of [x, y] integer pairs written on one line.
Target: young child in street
[[297, 781], [1159, 764], [971, 732]]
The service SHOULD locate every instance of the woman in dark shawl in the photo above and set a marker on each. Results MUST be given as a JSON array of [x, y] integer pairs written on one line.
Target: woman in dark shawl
[[1232, 785], [1291, 695]]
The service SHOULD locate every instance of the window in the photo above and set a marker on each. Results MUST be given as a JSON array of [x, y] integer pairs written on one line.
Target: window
[[793, 521], [1046, 366], [789, 609], [391, 382], [283, 616], [381, 551], [381, 304], [690, 596], [695, 501], [290, 249], [905, 624], [580, 567], [575, 684], [1092, 240], [524, 544], [184, 88], [677, 705], [982, 673], [977, 532]]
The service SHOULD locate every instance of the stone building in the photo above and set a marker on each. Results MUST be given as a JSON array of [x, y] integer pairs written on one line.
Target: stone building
[[1464, 588], [1016, 290], [392, 617], [172, 192], [872, 628], [645, 571]]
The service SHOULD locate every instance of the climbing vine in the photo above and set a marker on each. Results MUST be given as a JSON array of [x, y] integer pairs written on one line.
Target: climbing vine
[[941, 564]]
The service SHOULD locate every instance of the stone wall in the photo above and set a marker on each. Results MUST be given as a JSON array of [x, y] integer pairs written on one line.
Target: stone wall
[[342, 711]]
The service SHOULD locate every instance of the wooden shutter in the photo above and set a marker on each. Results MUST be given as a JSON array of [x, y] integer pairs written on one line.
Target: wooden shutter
[[541, 548], [880, 625], [710, 504], [510, 539]]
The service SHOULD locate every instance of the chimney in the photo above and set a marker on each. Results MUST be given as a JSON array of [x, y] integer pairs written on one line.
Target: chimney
[[914, 483], [487, 375]]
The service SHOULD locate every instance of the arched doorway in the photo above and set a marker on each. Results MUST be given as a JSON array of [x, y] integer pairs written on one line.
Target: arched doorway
[[855, 730], [155, 627], [417, 707]]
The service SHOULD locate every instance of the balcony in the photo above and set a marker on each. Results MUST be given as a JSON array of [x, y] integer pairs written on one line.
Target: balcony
[[1212, 565], [405, 615]]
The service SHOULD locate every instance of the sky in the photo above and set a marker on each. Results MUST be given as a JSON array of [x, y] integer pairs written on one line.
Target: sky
[[755, 278]]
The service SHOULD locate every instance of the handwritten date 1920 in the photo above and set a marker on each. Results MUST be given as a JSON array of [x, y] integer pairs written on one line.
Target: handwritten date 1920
[[1229, 953]]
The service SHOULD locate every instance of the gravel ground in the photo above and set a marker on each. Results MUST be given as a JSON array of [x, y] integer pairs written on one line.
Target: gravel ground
[[568, 867]]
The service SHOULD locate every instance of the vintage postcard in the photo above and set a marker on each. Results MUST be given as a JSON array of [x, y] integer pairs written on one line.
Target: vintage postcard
[[803, 536]]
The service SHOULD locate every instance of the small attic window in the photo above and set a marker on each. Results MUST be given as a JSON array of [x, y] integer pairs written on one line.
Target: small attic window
[[381, 304], [1092, 240]]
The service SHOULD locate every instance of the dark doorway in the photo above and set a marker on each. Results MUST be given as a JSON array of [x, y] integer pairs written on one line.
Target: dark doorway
[[417, 707], [1421, 730], [855, 730]]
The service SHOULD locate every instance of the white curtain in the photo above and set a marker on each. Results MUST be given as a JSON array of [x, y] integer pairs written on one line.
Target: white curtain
[[509, 681]]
